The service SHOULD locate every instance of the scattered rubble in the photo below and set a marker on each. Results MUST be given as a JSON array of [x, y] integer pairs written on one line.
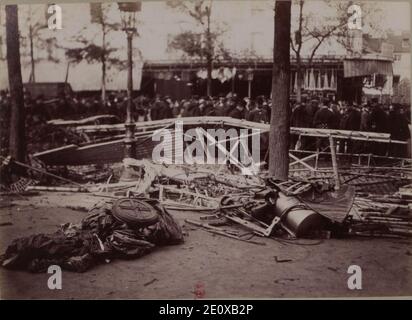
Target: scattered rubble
[[304, 206], [317, 201]]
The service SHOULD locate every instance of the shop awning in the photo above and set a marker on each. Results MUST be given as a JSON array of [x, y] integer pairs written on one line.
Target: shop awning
[[364, 67]]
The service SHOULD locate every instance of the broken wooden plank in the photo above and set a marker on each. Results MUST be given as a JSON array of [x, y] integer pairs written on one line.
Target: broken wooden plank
[[218, 231]]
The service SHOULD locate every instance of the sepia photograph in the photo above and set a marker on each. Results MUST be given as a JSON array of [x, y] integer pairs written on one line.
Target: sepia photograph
[[205, 149]]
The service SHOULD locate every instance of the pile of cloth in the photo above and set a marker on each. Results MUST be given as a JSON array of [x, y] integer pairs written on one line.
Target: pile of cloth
[[100, 237]]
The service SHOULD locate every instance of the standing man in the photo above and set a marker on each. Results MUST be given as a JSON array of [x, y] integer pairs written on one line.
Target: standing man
[[299, 120], [378, 123], [239, 111], [258, 114], [323, 119], [156, 109], [220, 107], [351, 121], [399, 130]]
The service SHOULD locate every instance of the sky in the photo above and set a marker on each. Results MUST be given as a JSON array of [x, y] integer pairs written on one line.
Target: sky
[[396, 15]]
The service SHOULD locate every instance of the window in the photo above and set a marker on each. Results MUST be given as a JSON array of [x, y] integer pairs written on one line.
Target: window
[[397, 57], [405, 43]]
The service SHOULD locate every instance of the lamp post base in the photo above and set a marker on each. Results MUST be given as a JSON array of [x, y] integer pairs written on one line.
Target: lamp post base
[[128, 173]]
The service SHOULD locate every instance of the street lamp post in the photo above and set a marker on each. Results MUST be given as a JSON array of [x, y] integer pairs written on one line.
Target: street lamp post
[[249, 74], [128, 11], [129, 151]]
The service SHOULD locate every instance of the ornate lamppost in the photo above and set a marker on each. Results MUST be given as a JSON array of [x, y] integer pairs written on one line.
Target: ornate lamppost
[[249, 76], [128, 13]]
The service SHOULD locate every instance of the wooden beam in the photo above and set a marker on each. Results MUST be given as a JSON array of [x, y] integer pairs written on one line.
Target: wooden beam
[[301, 162], [264, 127], [334, 162]]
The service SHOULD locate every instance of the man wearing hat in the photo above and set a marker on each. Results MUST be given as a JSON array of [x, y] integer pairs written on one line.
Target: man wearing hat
[[239, 111], [324, 119], [351, 120], [220, 106], [258, 114], [378, 123]]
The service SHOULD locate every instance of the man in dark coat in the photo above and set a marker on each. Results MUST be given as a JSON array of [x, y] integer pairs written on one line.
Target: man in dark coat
[[220, 107], [336, 116], [166, 111], [350, 120], [378, 118], [160, 110], [378, 123], [299, 119], [258, 114], [239, 111], [365, 118], [190, 108], [156, 110], [323, 119], [209, 109], [311, 109], [399, 130], [353, 119], [197, 111], [230, 105]]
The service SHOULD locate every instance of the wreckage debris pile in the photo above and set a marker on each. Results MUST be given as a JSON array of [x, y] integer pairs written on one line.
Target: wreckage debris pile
[[384, 216], [125, 229], [133, 226]]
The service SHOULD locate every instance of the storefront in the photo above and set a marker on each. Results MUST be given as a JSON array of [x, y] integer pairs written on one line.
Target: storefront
[[332, 76]]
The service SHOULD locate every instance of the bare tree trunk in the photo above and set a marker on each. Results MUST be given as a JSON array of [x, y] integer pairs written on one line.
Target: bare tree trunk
[[209, 54], [209, 76], [103, 97], [279, 123], [32, 62], [17, 142], [1, 46], [298, 82], [297, 50], [66, 78]]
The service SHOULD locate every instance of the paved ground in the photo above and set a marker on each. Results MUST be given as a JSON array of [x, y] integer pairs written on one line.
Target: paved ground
[[226, 268]]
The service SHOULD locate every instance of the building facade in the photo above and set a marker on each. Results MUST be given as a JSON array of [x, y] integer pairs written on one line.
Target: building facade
[[245, 29]]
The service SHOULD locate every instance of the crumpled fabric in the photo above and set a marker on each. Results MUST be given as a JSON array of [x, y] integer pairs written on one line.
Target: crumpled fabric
[[99, 237], [37, 252], [165, 231], [128, 244]]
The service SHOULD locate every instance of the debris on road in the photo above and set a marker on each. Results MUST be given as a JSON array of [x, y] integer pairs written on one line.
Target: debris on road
[[315, 202], [101, 236], [150, 282], [302, 207]]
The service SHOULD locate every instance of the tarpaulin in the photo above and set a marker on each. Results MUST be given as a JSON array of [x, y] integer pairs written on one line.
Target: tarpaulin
[[334, 205], [98, 237], [364, 67]]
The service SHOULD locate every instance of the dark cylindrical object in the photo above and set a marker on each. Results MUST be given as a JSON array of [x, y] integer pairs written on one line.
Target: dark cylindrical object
[[296, 218]]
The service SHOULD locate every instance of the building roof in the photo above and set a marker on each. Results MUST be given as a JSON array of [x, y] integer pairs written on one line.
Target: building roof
[[400, 42]]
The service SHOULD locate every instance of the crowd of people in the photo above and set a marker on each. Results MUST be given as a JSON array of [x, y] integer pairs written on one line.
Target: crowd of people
[[309, 113], [370, 117]]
